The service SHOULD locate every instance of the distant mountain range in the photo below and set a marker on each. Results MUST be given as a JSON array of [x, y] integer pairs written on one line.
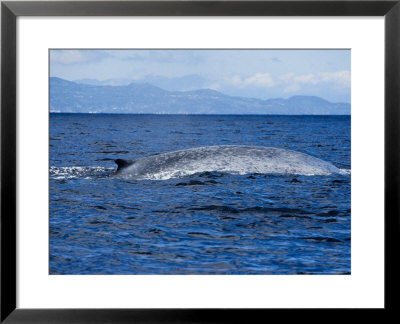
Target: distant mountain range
[[73, 97], [183, 83]]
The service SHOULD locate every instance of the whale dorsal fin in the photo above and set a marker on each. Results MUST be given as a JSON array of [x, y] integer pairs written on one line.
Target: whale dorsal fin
[[122, 164]]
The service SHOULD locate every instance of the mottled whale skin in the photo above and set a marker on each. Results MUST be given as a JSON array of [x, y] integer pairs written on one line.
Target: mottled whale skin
[[224, 158]]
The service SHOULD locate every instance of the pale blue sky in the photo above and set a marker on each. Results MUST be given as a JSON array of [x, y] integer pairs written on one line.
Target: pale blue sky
[[251, 73]]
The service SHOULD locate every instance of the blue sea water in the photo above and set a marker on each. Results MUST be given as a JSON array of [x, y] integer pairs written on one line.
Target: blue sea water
[[206, 223]]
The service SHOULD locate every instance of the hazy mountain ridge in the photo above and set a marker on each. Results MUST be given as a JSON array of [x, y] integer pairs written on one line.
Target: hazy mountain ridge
[[72, 97], [183, 83]]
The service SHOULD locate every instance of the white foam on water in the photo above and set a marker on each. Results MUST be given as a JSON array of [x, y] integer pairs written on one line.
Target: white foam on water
[[76, 172], [345, 171]]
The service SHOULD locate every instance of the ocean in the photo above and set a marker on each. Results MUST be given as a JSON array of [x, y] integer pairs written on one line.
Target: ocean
[[204, 223]]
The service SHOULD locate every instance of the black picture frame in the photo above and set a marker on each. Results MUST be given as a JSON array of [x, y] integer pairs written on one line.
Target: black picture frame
[[10, 10]]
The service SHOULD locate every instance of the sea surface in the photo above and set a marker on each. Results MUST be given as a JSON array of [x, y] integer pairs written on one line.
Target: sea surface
[[205, 223]]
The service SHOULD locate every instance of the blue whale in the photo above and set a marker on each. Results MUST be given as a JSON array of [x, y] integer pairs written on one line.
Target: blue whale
[[224, 158]]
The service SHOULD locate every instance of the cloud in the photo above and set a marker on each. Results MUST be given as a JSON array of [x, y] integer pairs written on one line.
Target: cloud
[[290, 83], [293, 82], [292, 88], [256, 80], [306, 79], [77, 56], [67, 57], [156, 56], [286, 78], [293, 79], [342, 78]]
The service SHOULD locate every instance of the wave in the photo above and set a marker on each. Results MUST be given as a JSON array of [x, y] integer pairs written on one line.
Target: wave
[[77, 172], [345, 171]]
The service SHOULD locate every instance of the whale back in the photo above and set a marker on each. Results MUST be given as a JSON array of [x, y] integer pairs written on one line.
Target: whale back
[[224, 158]]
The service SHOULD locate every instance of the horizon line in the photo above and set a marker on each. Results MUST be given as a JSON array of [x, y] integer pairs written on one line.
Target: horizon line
[[189, 114]]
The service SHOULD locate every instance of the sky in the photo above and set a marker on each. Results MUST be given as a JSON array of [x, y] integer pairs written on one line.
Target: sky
[[262, 74]]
